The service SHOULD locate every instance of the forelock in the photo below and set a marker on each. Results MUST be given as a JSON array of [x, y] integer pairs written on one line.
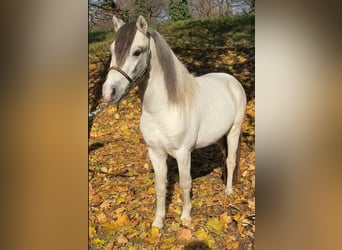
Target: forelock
[[123, 42]]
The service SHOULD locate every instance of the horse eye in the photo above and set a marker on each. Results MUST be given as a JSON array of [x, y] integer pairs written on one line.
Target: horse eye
[[137, 52]]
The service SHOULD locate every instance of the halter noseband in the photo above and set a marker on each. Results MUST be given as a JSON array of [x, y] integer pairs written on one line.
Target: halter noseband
[[121, 72]]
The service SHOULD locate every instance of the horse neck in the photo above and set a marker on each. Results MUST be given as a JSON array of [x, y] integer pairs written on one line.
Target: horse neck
[[155, 93]]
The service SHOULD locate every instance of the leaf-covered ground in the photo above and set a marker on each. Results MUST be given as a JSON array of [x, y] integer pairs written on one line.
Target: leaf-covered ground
[[121, 180]]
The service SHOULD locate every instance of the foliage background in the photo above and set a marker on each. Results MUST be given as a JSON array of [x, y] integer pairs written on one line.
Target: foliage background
[[100, 12]]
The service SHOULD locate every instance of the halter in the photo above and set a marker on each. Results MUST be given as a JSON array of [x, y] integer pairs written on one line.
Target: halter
[[126, 75]]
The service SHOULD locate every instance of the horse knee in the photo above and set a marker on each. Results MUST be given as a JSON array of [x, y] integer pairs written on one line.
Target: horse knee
[[160, 187], [185, 184], [231, 161]]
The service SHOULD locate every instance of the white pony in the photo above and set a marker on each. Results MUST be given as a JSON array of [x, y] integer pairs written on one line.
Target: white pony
[[180, 112]]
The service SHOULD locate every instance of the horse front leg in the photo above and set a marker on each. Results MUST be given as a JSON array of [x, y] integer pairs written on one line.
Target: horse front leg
[[184, 161], [158, 159]]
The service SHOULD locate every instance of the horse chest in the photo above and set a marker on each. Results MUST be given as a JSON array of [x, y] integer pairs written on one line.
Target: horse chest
[[168, 133]]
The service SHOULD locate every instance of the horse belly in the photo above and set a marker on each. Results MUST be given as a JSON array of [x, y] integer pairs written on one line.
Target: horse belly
[[213, 129], [218, 112]]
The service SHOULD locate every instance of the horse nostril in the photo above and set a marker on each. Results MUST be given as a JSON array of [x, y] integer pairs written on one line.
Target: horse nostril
[[113, 93]]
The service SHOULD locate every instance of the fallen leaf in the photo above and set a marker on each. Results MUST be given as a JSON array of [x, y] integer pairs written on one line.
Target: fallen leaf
[[121, 219], [101, 218], [104, 169], [215, 225], [155, 231], [225, 219], [233, 245], [105, 204], [92, 232], [201, 235], [154, 236], [122, 239], [99, 241], [184, 234], [237, 217]]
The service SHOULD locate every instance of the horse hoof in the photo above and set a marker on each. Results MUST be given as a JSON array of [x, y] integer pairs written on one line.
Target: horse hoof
[[187, 223], [157, 223], [185, 218], [228, 191]]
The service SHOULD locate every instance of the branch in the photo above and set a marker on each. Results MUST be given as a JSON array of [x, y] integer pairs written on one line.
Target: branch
[[99, 6]]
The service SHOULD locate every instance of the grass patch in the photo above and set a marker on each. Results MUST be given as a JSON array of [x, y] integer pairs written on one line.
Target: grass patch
[[194, 32], [94, 37]]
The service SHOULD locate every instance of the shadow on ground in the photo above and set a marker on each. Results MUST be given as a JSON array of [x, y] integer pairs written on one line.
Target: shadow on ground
[[203, 162]]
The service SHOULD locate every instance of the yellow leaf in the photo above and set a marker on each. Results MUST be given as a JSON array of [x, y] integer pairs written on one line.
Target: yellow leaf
[[234, 245], [237, 217], [121, 219], [151, 190], [201, 235], [92, 231], [251, 204], [225, 219], [154, 235], [215, 225], [154, 231], [120, 200], [92, 66], [242, 59], [124, 128], [99, 241], [239, 228]]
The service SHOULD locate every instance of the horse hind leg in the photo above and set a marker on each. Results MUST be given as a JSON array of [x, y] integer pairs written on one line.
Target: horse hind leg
[[233, 141], [222, 143]]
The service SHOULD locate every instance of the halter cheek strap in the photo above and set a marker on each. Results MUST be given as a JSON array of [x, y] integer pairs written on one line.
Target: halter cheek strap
[[121, 72]]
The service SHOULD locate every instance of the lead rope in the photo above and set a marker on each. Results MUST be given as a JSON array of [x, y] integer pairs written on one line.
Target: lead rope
[[102, 106]]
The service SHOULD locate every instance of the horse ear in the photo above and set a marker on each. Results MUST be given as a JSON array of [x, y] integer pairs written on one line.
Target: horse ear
[[117, 23], [142, 24]]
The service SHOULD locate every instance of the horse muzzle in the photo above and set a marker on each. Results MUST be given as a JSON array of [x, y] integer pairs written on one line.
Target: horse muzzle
[[110, 95]]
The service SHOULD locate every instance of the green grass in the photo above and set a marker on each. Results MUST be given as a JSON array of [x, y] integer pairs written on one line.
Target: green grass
[[94, 37], [209, 31], [99, 43]]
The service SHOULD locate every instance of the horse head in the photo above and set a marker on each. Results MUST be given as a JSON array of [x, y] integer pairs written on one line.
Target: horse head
[[130, 58]]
